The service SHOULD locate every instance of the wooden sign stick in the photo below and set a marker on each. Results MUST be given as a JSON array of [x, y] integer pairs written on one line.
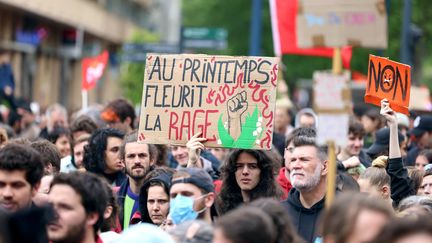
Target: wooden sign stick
[[337, 60], [331, 174]]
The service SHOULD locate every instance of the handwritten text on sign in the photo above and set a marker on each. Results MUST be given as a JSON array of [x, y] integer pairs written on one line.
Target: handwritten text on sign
[[388, 79], [229, 99]]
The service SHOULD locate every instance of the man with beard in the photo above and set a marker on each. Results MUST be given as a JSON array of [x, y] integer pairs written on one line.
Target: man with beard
[[79, 200], [138, 159], [308, 173]]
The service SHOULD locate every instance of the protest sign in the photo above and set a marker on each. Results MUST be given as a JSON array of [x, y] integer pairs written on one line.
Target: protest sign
[[331, 91], [230, 100], [336, 23], [420, 99], [390, 80], [332, 102], [333, 127], [284, 29]]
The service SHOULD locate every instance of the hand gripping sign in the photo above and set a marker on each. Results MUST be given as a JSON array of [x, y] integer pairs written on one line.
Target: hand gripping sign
[[230, 100], [390, 80]]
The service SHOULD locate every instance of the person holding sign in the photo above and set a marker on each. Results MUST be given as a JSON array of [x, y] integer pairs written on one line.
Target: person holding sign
[[388, 80], [190, 156], [401, 186]]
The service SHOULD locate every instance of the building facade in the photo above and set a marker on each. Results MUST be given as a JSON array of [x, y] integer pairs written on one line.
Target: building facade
[[47, 39]]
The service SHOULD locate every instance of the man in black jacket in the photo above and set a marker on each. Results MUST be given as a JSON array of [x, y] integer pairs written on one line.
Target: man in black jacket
[[308, 173]]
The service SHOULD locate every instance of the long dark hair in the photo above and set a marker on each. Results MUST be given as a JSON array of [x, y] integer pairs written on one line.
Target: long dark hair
[[94, 156], [158, 177], [230, 196]]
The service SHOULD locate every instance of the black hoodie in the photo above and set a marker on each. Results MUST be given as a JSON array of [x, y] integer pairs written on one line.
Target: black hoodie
[[305, 220]]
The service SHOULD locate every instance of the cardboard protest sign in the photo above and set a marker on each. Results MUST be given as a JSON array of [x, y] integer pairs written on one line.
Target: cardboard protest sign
[[391, 80], [336, 23], [332, 102], [420, 99], [333, 127], [331, 92], [229, 99]]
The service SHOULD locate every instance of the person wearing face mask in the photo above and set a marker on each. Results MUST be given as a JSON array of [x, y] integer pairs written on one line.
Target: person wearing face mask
[[192, 196]]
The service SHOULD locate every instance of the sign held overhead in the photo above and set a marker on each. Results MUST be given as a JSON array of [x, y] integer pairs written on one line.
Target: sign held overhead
[[390, 80], [332, 102], [337, 23], [230, 100]]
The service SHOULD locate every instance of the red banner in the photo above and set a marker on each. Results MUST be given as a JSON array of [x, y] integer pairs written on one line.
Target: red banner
[[283, 16], [92, 70]]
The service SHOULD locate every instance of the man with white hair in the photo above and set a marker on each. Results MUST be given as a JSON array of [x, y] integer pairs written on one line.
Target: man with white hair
[[306, 117], [308, 168], [56, 116]]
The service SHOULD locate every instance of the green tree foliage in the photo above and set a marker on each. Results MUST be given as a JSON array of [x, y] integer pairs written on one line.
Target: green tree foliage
[[235, 17], [132, 74]]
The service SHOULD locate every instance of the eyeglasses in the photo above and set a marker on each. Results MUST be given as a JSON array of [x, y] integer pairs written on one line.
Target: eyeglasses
[[289, 149]]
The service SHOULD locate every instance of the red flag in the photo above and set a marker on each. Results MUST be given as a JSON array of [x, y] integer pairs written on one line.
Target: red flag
[[283, 17], [92, 69]]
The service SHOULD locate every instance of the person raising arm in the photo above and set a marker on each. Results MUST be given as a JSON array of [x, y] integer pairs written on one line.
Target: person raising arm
[[401, 185]]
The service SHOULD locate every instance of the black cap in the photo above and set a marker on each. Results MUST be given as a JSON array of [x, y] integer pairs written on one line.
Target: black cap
[[382, 140], [23, 104], [197, 176], [422, 124]]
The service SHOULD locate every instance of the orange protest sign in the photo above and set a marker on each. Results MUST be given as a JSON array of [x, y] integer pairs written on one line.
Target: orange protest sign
[[390, 80]]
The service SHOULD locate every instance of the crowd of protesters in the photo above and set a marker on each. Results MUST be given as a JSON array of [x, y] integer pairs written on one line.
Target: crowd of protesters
[[84, 178]]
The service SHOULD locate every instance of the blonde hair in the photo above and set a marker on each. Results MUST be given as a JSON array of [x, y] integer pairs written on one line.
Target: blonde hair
[[376, 174], [3, 137], [380, 162]]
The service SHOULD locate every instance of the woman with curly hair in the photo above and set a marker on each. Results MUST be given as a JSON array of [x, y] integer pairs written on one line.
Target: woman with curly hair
[[247, 175], [101, 155]]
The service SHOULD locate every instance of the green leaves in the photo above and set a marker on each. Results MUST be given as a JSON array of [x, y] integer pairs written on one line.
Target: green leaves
[[250, 132]]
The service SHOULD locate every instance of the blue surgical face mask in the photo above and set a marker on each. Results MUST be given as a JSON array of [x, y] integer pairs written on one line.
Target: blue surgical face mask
[[181, 209]]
